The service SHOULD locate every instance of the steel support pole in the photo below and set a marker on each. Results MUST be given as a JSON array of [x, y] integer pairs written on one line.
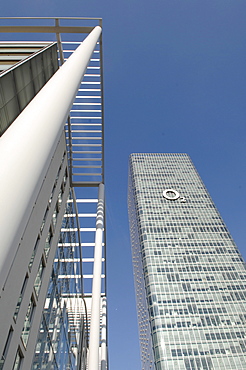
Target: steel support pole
[[93, 360], [104, 355], [26, 148]]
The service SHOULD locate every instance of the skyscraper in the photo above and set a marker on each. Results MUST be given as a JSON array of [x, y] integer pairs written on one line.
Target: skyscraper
[[52, 264], [190, 278]]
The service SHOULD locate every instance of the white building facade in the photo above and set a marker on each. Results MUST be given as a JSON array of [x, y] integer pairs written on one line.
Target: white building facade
[[52, 197]]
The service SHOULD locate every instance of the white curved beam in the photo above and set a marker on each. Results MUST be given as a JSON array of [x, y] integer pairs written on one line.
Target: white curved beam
[[27, 147]]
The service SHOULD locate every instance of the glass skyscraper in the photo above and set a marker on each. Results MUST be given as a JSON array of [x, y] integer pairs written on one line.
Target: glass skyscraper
[[190, 278]]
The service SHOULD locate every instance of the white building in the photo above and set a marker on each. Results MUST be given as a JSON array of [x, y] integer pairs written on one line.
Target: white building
[[52, 244]]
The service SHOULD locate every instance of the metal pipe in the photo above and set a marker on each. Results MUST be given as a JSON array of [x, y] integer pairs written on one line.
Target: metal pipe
[[93, 362], [104, 335], [27, 146], [79, 240], [59, 43]]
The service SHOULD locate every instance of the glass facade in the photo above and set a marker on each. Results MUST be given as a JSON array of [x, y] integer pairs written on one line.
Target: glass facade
[[63, 329], [22, 82], [190, 278]]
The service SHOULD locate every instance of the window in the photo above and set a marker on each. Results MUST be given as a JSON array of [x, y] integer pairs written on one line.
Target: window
[[27, 323], [38, 280], [6, 347], [44, 219], [20, 297], [48, 242], [18, 360], [54, 217], [59, 199], [34, 252]]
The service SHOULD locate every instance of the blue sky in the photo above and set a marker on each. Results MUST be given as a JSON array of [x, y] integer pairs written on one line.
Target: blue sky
[[175, 81]]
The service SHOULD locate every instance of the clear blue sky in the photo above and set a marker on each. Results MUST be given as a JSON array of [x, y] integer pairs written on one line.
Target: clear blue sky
[[175, 81]]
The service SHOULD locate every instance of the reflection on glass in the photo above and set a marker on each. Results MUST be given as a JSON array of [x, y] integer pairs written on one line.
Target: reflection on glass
[[38, 279], [28, 321]]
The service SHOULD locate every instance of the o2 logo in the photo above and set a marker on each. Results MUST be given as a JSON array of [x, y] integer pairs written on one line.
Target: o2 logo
[[171, 194]]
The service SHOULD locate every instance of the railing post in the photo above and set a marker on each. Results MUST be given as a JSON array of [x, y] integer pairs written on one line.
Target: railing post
[[93, 362], [104, 355]]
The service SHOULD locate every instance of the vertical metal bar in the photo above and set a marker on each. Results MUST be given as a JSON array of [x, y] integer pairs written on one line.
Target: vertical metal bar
[[70, 150], [59, 43], [93, 363], [102, 102], [104, 335], [79, 240]]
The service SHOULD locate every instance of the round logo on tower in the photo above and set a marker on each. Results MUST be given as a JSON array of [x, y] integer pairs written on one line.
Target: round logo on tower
[[171, 194]]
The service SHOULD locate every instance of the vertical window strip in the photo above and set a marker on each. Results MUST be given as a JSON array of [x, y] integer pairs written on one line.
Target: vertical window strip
[[44, 219], [54, 217], [38, 280], [18, 360], [6, 347], [20, 297], [28, 321], [34, 252], [48, 242]]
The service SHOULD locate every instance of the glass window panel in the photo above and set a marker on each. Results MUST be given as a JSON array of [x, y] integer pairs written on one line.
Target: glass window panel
[[12, 109], [28, 321], [6, 347], [18, 360], [20, 297], [38, 280], [34, 252], [48, 242]]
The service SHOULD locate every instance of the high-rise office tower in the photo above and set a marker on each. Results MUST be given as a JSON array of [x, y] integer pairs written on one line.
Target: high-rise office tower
[[190, 278], [52, 243]]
